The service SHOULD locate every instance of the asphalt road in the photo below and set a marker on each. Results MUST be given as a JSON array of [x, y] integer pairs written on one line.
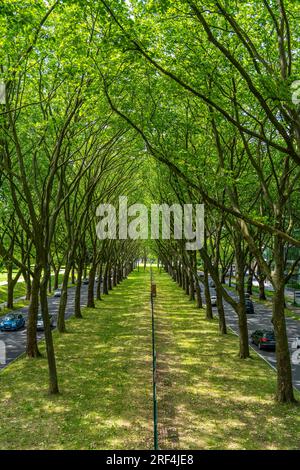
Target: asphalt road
[[15, 341], [262, 320]]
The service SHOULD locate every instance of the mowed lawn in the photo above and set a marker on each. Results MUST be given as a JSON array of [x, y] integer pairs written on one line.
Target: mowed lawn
[[208, 398], [104, 366]]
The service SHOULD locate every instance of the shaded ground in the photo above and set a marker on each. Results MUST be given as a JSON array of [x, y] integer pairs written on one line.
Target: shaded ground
[[104, 366], [208, 398]]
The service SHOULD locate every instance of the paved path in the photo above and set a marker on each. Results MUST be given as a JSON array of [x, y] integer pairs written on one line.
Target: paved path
[[262, 319]]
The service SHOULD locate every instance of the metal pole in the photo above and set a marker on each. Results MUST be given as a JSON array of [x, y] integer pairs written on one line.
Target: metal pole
[[155, 433]]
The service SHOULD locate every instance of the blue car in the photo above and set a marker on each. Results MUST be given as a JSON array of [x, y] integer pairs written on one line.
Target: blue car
[[12, 322]]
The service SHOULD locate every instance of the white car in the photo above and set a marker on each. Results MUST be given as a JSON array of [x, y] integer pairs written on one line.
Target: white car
[[213, 300], [296, 343]]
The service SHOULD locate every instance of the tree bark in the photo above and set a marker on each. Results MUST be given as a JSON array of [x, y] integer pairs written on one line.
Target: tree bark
[[105, 281], [56, 274], [285, 391], [250, 281], [31, 344], [53, 382], [261, 284], [221, 313], [98, 293], [10, 287], [61, 324], [77, 309], [209, 312], [198, 295], [90, 297], [241, 308]]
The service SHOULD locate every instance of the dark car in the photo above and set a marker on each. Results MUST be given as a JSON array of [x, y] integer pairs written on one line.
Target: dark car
[[264, 339], [249, 306], [85, 281], [12, 322]]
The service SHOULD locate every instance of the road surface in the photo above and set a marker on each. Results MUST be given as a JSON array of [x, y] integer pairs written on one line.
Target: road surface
[[262, 320], [15, 341]]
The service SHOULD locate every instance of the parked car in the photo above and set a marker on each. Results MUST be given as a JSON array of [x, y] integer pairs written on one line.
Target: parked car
[[57, 293], [12, 322], [296, 343], [40, 322], [85, 281], [213, 300], [264, 339], [249, 306]]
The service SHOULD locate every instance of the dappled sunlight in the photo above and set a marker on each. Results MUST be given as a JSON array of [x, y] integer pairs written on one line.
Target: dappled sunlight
[[208, 398], [104, 367], [213, 399]]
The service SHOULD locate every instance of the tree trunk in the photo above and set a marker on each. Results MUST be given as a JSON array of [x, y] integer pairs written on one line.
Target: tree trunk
[[61, 324], [56, 274], [187, 282], [241, 308], [230, 276], [114, 276], [31, 345], [53, 383], [109, 279], [73, 275], [50, 284], [221, 313], [261, 283], [27, 280], [192, 285], [98, 293], [285, 391], [209, 313], [198, 295], [90, 298], [77, 307], [250, 281], [105, 281], [10, 287], [243, 332]]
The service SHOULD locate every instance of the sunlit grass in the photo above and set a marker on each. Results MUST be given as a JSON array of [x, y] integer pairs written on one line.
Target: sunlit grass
[[104, 366], [208, 397]]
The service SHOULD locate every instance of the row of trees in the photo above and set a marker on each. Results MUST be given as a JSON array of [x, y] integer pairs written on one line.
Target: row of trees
[[212, 101], [203, 88], [62, 153]]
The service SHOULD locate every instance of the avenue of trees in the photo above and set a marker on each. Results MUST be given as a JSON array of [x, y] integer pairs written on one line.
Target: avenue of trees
[[170, 101]]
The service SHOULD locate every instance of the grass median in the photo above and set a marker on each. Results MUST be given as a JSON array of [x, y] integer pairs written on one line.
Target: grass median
[[208, 398], [104, 367]]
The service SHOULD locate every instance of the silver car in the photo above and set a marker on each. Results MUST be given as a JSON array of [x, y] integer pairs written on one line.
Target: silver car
[[40, 322]]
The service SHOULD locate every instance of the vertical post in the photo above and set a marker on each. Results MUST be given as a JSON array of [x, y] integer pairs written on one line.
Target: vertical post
[[155, 433]]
